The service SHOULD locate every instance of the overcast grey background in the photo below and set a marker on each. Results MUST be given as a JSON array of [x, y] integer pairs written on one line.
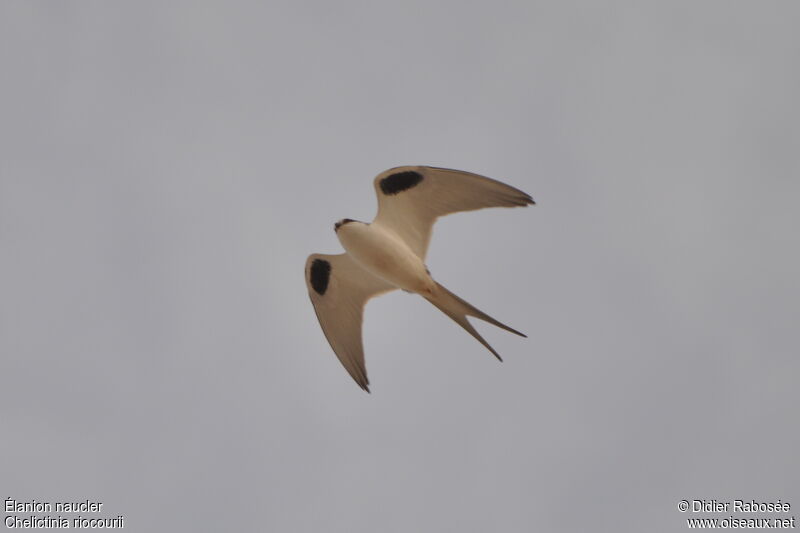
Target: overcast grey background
[[166, 170]]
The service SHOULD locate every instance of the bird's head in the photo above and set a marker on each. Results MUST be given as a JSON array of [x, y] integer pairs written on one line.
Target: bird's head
[[342, 223]]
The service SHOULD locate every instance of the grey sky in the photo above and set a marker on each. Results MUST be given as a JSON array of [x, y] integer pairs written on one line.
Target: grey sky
[[166, 169]]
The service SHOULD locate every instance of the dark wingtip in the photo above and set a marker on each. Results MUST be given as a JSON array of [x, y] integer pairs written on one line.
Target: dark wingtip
[[522, 200]]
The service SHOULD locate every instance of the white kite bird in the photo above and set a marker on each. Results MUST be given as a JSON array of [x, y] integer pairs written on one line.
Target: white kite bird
[[389, 254]]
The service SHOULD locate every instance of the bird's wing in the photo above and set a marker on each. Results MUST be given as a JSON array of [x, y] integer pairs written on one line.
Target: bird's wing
[[411, 198], [339, 288]]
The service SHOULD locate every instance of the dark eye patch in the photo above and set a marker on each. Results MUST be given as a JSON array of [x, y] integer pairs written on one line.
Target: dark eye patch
[[320, 275], [400, 181]]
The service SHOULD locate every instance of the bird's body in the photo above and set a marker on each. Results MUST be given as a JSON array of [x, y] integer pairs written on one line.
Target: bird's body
[[385, 255], [389, 253]]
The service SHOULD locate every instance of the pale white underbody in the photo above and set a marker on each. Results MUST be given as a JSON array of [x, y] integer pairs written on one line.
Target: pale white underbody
[[382, 252]]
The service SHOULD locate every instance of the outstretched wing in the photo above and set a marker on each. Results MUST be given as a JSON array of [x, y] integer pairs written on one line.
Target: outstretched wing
[[339, 288], [411, 198]]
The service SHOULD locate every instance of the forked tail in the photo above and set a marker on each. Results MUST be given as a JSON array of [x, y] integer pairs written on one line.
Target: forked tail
[[458, 310]]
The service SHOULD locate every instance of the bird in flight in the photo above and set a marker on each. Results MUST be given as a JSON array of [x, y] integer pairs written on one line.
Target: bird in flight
[[389, 253]]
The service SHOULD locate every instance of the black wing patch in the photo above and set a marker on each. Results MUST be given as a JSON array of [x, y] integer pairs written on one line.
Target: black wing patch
[[320, 275], [400, 181]]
